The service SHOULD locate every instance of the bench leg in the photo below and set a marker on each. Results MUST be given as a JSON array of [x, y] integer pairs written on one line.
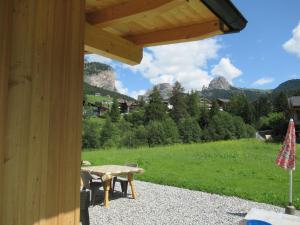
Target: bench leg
[[130, 180], [84, 217], [107, 185]]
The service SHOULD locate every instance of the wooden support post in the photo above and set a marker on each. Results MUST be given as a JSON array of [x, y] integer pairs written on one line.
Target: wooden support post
[[130, 180], [107, 185], [41, 64]]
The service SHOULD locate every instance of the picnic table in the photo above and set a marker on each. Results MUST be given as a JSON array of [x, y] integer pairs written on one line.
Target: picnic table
[[107, 172]]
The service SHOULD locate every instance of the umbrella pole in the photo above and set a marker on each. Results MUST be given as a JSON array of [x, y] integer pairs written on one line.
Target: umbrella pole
[[290, 209], [291, 188]]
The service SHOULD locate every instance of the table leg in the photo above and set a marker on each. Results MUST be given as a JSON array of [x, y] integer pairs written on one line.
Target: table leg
[[130, 180], [106, 192]]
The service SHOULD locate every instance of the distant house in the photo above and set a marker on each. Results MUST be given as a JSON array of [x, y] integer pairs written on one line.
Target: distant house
[[98, 108], [204, 102], [167, 103], [222, 102], [126, 106], [294, 105]]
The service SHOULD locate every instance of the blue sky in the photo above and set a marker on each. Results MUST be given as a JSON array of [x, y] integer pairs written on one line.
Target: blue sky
[[263, 55]]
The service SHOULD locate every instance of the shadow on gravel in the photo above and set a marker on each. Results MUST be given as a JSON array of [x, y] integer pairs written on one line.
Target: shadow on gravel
[[100, 197], [237, 214]]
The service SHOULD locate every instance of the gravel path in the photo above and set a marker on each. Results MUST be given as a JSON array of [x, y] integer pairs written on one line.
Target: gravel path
[[159, 204]]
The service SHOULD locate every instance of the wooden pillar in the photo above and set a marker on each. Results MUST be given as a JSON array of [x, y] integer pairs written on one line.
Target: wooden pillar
[[41, 66]]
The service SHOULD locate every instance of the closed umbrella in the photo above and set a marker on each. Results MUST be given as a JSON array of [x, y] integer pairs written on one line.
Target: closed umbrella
[[286, 160]]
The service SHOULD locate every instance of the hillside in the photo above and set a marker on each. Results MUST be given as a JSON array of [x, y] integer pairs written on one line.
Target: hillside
[[91, 68], [92, 90], [252, 94], [288, 86]]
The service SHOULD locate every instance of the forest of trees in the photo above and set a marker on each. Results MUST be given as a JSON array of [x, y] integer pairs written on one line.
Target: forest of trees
[[188, 121]]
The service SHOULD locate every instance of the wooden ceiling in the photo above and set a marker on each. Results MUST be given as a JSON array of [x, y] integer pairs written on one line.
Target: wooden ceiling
[[120, 29]]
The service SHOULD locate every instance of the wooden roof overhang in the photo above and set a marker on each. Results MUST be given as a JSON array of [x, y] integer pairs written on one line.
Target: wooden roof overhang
[[120, 29]]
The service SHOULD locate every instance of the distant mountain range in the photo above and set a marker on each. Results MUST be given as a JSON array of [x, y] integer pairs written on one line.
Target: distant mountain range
[[100, 78], [219, 87]]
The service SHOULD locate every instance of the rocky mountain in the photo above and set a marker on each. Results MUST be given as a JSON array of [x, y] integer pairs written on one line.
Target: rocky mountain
[[219, 87], [99, 75], [219, 83], [165, 90]]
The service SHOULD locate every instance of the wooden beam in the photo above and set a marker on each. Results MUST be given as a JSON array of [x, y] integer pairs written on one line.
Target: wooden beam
[[178, 34], [130, 10], [41, 88], [104, 43]]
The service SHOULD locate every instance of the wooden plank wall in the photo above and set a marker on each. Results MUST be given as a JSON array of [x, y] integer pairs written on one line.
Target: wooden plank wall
[[41, 64], [4, 42]]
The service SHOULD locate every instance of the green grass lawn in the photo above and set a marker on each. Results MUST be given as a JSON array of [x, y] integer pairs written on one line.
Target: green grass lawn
[[243, 168], [93, 98]]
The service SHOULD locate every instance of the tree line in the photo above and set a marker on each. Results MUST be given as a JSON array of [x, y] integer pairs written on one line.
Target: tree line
[[152, 123]]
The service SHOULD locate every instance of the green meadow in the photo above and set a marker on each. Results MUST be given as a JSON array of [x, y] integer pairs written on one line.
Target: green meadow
[[94, 98], [242, 168]]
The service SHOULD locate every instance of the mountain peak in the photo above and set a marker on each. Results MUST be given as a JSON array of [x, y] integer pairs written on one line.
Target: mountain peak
[[219, 83], [100, 75], [165, 90]]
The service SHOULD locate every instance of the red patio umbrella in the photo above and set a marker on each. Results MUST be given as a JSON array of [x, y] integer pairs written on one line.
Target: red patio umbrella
[[287, 155]]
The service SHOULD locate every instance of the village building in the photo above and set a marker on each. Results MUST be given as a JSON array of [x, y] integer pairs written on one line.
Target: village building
[[222, 102], [98, 108], [294, 106], [126, 106]]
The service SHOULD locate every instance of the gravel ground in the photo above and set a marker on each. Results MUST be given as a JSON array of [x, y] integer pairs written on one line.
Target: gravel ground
[[159, 204]]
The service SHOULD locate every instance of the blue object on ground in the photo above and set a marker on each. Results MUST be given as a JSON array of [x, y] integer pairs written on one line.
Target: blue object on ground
[[257, 222]]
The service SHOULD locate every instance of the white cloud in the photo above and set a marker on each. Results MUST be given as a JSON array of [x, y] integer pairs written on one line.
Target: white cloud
[[226, 69], [185, 62], [263, 80], [293, 44], [97, 58], [135, 94], [123, 90], [120, 87]]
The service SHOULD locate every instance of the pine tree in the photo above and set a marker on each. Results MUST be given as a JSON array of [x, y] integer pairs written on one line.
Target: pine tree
[[156, 109], [189, 130], [214, 108], [141, 102], [204, 115], [240, 106], [280, 102], [263, 106], [178, 102], [106, 133], [115, 111], [193, 104]]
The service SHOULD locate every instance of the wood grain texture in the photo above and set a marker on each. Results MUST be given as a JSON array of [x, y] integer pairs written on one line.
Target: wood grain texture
[[5, 7], [107, 187], [40, 114], [169, 15], [179, 34], [104, 43], [130, 10]]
